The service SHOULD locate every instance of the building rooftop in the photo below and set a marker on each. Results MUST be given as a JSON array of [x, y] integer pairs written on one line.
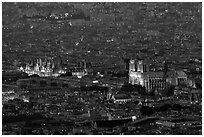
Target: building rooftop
[[181, 73], [122, 96], [158, 74]]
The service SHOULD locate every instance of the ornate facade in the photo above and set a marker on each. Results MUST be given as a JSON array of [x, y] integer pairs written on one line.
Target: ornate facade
[[153, 81], [43, 68]]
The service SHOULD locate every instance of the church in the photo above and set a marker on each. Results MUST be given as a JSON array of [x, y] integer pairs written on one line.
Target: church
[[140, 74], [43, 68]]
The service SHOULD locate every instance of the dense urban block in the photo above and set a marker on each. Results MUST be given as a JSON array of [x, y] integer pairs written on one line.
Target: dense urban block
[[101, 68]]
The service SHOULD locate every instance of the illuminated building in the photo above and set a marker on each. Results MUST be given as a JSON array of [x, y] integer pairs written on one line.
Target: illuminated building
[[153, 81], [81, 69], [121, 98], [42, 68]]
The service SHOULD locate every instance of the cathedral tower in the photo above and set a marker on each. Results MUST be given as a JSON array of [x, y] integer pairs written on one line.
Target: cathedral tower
[[138, 72]]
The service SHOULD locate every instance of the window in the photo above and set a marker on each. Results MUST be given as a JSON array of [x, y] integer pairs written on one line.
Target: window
[[145, 68]]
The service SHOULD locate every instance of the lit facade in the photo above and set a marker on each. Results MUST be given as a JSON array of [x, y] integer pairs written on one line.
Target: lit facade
[[138, 71], [153, 81], [42, 68], [81, 70]]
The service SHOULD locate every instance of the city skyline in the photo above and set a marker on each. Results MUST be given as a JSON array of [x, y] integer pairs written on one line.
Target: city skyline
[[101, 68]]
